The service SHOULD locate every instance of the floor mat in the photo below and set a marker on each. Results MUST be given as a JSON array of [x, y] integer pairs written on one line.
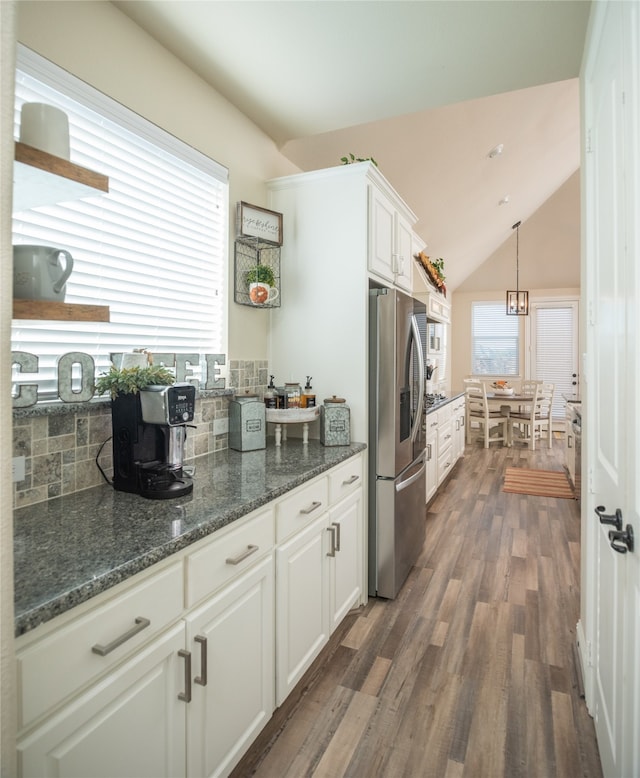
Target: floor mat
[[543, 483]]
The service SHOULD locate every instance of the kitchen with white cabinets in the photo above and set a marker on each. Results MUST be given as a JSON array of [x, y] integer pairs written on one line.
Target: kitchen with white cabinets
[[189, 644]]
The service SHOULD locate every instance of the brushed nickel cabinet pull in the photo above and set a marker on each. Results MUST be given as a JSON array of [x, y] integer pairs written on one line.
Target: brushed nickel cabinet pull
[[202, 678], [351, 480], [332, 530], [235, 560], [337, 526], [185, 696], [314, 506], [140, 624]]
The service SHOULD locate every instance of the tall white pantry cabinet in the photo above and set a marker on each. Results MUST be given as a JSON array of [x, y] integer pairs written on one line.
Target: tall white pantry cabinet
[[341, 226]]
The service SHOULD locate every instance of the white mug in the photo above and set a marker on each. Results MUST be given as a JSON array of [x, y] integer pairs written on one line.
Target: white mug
[[45, 127], [261, 293], [38, 274]]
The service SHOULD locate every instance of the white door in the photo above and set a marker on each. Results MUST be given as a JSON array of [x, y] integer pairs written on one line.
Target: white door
[[554, 350], [612, 567]]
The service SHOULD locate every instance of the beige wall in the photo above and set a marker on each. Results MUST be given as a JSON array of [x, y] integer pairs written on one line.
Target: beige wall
[[461, 326], [549, 259], [128, 65]]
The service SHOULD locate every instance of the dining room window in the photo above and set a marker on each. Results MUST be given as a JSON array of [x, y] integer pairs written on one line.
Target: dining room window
[[495, 340]]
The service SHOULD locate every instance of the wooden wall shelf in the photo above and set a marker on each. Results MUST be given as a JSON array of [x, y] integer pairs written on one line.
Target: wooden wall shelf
[[50, 311], [44, 179]]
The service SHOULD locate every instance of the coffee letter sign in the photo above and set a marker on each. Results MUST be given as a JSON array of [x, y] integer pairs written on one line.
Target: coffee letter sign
[[65, 378], [27, 393]]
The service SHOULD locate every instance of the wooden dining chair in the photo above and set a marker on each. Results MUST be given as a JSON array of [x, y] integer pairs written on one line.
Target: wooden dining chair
[[478, 413], [535, 417]]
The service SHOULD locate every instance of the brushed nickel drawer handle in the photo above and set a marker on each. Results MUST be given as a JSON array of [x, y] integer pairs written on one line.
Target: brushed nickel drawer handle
[[351, 480], [185, 696], [314, 506], [141, 623], [235, 560], [202, 678]]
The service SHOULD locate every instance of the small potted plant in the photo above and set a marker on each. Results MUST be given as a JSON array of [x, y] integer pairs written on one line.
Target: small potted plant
[[130, 380], [261, 284]]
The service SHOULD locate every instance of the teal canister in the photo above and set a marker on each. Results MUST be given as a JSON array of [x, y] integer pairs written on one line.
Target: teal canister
[[247, 423], [335, 422]]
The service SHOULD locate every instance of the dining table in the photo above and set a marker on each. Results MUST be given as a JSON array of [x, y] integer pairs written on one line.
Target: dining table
[[499, 400]]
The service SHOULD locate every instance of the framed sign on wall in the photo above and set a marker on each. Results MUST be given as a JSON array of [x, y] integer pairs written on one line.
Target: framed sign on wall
[[260, 223]]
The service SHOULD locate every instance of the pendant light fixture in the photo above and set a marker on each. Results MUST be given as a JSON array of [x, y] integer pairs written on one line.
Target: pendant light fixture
[[517, 301]]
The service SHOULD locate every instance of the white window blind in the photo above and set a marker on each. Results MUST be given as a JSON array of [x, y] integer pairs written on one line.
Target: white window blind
[[555, 350], [495, 340], [153, 249]]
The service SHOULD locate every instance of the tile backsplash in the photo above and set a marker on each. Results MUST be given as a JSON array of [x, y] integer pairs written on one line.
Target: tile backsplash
[[60, 442]]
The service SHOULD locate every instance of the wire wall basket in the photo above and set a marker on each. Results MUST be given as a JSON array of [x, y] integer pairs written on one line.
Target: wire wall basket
[[257, 273]]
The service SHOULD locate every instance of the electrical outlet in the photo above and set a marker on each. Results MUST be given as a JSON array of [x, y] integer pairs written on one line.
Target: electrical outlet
[[221, 426], [17, 469]]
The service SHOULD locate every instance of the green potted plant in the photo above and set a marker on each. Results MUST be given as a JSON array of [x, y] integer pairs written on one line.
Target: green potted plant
[[129, 380], [262, 274]]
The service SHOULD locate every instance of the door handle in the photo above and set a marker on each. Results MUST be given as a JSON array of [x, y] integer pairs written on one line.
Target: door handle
[[202, 678], [615, 519], [332, 530], [185, 696], [622, 541]]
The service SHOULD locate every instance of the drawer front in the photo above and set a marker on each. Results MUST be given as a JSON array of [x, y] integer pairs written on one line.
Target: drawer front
[[345, 479], [52, 669], [444, 435], [300, 508], [222, 558], [445, 464]]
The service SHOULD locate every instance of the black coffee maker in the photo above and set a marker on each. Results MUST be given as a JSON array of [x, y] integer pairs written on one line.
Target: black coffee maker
[[149, 435]]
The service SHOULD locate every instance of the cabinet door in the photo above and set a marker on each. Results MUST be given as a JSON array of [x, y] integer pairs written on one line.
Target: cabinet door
[[404, 260], [345, 560], [382, 216], [130, 723], [231, 642], [302, 610], [432, 466]]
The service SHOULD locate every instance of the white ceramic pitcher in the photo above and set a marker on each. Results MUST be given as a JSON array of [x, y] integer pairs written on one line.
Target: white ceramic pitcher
[[38, 273]]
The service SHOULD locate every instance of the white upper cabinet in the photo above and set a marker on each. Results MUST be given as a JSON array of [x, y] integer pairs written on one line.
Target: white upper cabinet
[[390, 240]]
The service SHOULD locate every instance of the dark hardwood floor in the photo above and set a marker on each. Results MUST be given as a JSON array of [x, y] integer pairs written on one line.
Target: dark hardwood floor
[[471, 670]]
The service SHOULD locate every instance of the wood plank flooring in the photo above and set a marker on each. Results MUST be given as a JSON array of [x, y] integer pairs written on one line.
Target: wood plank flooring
[[470, 671]]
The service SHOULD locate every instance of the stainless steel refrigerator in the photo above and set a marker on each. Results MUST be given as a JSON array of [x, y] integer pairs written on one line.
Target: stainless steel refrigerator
[[396, 438]]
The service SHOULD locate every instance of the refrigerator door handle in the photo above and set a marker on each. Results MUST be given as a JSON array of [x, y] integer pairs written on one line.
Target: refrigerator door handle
[[417, 340], [404, 484]]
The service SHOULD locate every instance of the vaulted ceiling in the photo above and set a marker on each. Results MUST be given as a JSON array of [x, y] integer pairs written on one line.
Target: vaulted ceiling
[[426, 87]]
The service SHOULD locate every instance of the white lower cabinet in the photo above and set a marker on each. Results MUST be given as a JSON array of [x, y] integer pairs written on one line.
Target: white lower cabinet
[[432, 455], [458, 427], [319, 568], [345, 557], [232, 692], [302, 606], [130, 724], [177, 671], [445, 431]]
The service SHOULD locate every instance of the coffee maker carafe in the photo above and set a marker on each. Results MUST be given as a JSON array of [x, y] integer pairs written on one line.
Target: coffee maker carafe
[[149, 435]]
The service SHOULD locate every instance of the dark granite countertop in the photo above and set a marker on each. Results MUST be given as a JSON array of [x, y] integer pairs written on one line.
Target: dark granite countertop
[[71, 548]]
